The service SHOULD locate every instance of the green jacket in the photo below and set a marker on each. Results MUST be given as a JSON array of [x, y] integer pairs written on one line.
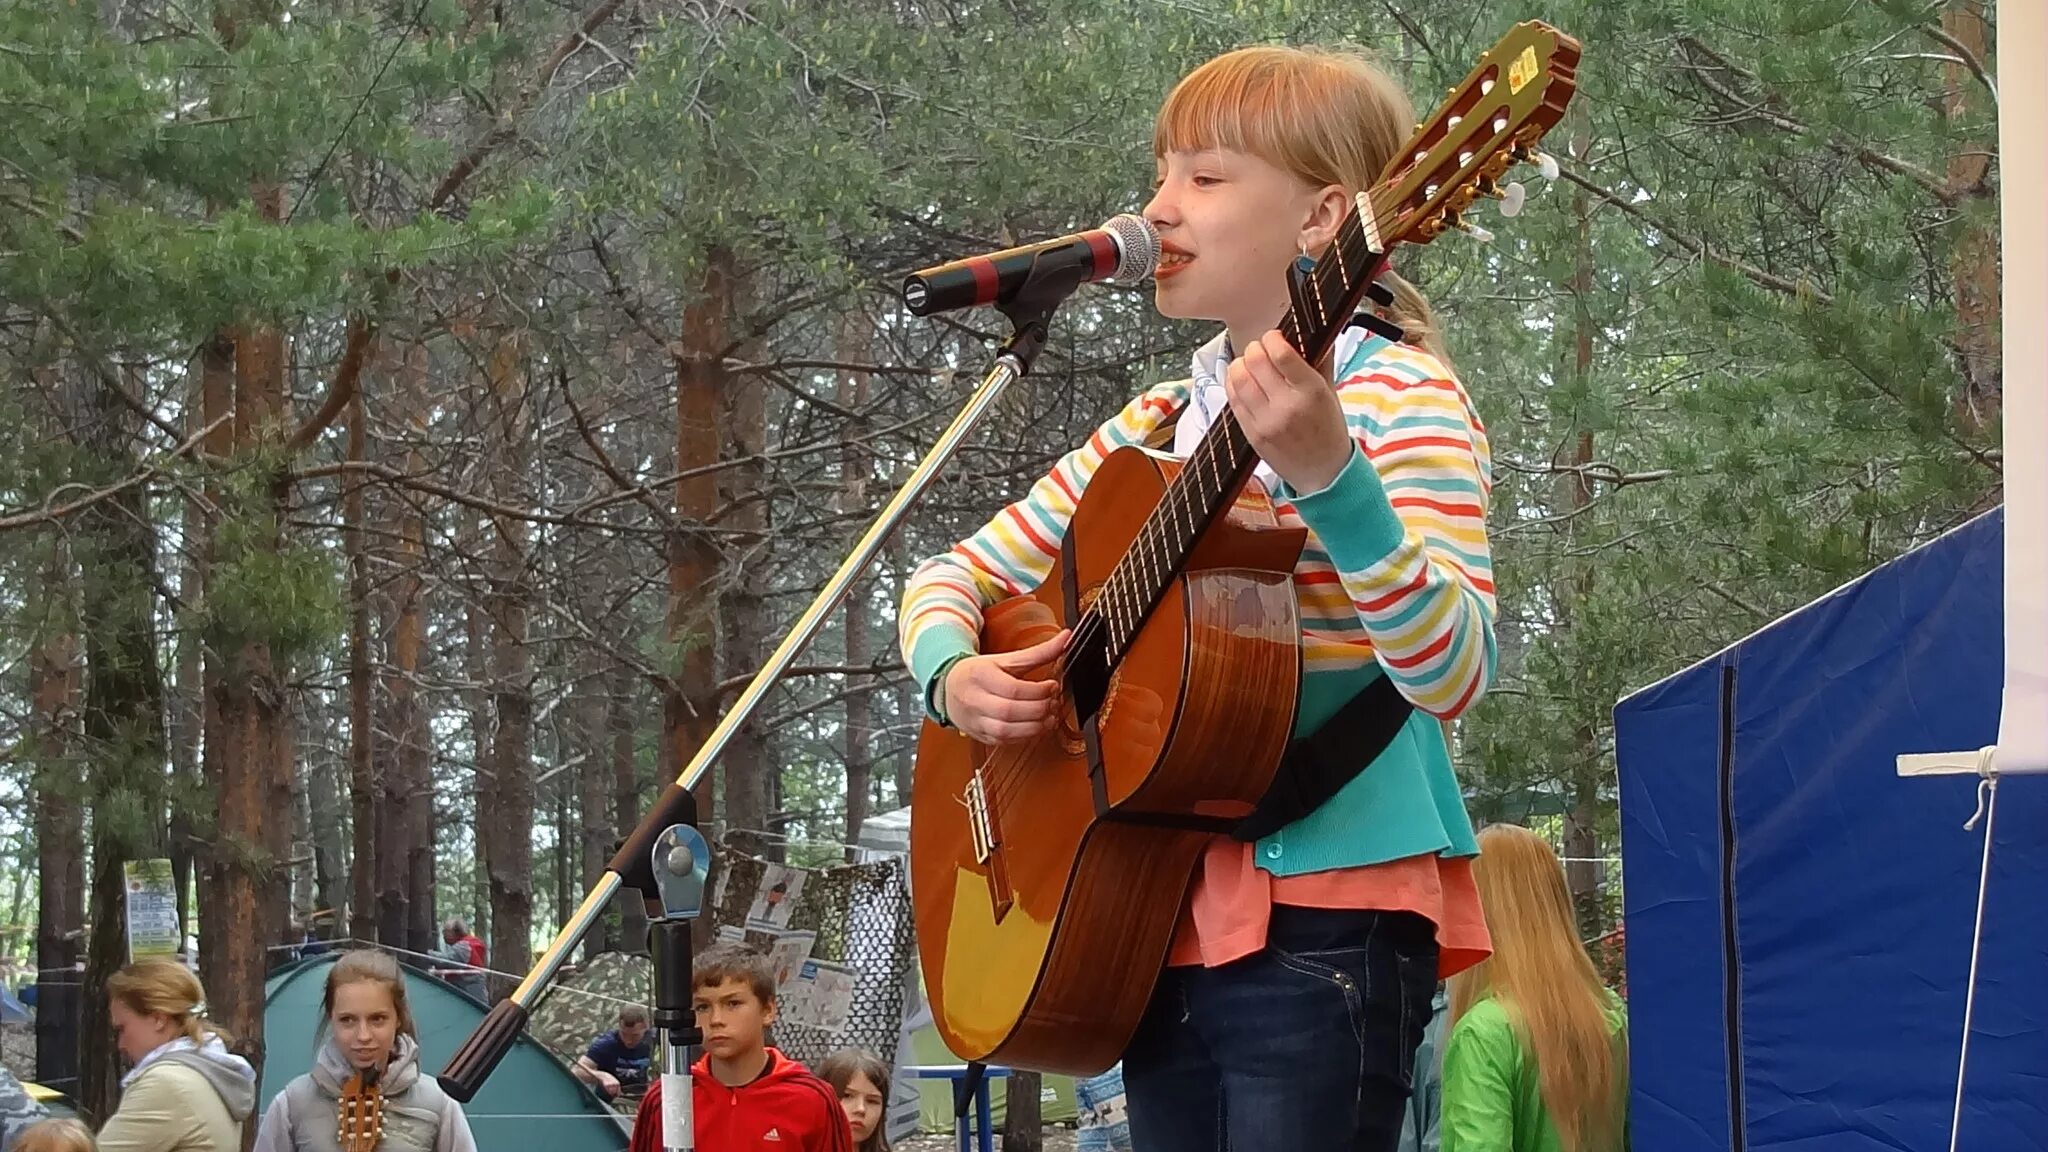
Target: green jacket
[[1491, 1101]]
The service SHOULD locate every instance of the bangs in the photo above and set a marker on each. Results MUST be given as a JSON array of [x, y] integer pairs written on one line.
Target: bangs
[[1235, 102], [1328, 117]]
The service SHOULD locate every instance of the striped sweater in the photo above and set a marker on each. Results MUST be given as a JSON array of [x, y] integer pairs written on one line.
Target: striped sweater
[[1396, 569]]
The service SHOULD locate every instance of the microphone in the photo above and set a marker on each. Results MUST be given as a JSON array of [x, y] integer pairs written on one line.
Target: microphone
[[1123, 251]]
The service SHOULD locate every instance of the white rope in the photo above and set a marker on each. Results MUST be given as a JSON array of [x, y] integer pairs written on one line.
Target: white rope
[[1987, 810], [445, 963]]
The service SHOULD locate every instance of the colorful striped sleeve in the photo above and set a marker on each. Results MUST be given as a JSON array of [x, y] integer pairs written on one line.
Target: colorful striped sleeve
[[1405, 526], [940, 616]]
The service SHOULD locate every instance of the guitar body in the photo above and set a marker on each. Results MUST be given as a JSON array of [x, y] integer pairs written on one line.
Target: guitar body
[[1043, 929]]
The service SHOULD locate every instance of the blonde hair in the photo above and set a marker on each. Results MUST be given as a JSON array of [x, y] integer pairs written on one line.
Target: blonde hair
[[367, 966], [54, 1136], [160, 987], [1327, 116], [1542, 976]]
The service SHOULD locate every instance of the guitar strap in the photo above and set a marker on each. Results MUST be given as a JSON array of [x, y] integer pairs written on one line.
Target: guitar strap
[[1318, 766]]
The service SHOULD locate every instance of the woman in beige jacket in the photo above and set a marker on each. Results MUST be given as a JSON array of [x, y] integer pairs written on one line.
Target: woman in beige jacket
[[184, 1092]]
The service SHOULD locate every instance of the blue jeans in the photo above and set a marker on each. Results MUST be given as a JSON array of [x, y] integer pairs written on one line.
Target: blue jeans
[[1308, 1044]]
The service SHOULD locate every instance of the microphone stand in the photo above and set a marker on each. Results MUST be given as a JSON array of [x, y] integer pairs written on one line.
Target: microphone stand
[[1030, 311], [681, 861]]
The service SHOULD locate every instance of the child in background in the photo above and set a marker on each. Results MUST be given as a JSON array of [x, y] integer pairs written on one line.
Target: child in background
[[745, 1096], [1537, 1059], [53, 1136], [862, 1081], [370, 1053]]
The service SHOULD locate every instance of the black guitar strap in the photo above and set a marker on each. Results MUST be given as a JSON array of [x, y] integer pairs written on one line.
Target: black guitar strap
[[1318, 766]]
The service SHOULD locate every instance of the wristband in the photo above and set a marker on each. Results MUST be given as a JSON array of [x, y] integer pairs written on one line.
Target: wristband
[[935, 692]]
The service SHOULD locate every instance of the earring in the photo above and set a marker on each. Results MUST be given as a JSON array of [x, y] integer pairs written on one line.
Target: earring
[[1304, 263]]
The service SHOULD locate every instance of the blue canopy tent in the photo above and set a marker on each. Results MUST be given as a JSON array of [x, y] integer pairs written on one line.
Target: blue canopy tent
[[1799, 916]]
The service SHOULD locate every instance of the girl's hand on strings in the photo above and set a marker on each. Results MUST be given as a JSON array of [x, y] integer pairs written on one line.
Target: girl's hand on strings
[[989, 699]]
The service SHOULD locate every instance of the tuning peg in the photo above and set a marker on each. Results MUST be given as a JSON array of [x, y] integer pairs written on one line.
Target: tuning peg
[[1512, 197], [1474, 231], [1379, 293], [1526, 154]]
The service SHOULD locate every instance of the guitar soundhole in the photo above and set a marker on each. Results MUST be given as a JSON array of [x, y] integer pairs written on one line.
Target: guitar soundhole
[[1069, 733], [1087, 677]]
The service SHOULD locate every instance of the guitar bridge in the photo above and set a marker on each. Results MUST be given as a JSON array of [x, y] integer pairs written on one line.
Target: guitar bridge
[[978, 826], [981, 829]]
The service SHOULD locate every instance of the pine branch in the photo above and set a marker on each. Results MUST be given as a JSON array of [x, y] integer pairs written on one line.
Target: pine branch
[[1941, 36], [52, 515], [1765, 109], [362, 329], [347, 378], [1802, 288]]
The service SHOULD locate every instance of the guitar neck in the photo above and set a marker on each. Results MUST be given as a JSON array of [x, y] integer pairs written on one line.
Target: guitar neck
[[1216, 472]]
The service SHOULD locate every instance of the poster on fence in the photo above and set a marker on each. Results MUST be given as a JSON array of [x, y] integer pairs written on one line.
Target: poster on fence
[[775, 899], [786, 951], [152, 907], [821, 996]]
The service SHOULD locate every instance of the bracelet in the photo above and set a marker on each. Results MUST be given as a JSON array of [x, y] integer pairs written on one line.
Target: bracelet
[[935, 691]]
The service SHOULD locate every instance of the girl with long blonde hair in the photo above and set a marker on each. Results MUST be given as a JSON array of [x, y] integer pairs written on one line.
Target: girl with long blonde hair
[[1537, 1059], [1313, 935]]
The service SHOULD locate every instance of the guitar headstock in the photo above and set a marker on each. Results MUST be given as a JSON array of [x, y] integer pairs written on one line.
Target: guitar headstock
[[1516, 94], [359, 1115]]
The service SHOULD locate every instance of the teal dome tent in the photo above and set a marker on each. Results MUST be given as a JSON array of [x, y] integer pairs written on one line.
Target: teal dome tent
[[530, 1101]]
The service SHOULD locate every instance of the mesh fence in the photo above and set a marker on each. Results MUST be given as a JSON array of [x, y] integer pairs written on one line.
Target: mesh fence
[[860, 915]]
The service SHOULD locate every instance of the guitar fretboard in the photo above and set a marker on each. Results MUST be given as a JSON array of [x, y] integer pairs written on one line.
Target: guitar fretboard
[[1215, 473]]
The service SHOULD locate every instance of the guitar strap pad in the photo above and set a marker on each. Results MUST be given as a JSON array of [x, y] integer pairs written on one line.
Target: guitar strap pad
[[1318, 766]]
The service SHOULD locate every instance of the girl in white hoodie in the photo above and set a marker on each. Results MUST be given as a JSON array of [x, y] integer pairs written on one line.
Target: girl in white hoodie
[[184, 1091], [371, 1055]]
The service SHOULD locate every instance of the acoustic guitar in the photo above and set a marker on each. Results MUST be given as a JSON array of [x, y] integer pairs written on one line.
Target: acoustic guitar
[[1047, 876]]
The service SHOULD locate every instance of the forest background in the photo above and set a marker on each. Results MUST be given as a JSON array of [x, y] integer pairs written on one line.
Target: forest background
[[423, 416]]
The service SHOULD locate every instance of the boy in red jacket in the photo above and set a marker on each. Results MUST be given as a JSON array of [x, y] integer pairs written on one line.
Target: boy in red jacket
[[747, 1097]]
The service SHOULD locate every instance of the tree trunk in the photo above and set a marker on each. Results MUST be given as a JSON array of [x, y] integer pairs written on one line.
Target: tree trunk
[[593, 806], [688, 700], [123, 730], [395, 835], [1974, 266], [910, 697], [507, 605], [187, 705], [255, 768], [326, 810], [859, 724], [626, 798], [568, 850], [478, 664], [1582, 822], [1023, 1127], [54, 676], [408, 719], [365, 923], [750, 792]]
